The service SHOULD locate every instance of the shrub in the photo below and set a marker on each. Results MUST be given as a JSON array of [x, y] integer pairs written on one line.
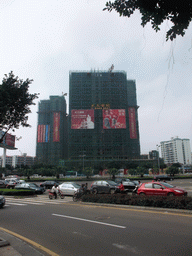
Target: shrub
[[149, 201], [16, 192]]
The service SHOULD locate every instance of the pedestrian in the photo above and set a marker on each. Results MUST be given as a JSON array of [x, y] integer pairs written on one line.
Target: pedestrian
[[54, 190], [121, 187]]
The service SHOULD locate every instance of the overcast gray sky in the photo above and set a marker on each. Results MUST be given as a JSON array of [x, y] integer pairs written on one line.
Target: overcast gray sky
[[44, 39]]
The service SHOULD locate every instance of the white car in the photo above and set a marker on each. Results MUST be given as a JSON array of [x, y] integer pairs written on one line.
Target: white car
[[69, 188]]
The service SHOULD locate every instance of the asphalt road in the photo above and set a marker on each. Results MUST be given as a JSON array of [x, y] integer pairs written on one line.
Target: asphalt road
[[69, 228]]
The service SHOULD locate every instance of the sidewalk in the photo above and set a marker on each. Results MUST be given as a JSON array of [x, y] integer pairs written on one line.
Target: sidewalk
[[13, 246]]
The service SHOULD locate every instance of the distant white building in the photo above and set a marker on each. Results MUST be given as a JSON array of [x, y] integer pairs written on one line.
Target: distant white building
[[176, 151]]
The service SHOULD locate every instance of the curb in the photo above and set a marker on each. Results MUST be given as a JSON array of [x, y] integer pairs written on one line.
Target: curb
[[142, 208], [3, 242]]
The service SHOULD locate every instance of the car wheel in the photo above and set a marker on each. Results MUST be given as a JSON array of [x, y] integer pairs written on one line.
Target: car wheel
[[94, 191], [112, 191], [142, 194], [170, 194]]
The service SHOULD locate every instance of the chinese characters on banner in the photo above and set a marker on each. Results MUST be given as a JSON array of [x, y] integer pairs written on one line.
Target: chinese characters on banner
[[132, 123], [43, 133], [82, 119], [114, 119], [56, 125]]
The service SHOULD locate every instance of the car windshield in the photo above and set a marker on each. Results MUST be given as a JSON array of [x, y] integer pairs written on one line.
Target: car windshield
[[112, 183], [167, 185]]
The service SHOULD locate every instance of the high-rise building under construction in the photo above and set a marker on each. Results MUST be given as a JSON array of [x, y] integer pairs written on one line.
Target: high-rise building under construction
[[52, 138], [103, 117]]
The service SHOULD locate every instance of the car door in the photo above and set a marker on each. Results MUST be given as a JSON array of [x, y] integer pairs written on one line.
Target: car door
[[148, 190], [159, 190], [105, 188], [71, 189], [63, 188], [99, 186]]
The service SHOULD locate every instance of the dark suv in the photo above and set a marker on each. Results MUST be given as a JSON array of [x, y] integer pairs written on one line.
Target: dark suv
[[48, 184], [162, 177], [129, 185], [103, 186]]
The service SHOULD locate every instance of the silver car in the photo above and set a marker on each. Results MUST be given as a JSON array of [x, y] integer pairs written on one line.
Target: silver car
[[69, 188]]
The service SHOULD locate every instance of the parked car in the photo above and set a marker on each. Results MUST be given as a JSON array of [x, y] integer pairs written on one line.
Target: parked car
[[11, 184], [2, 201], [3, 183], [127, 183], [12, 180], [69, 188], [104, 186], [49, 184], [162, 177], [34, 187], [160, 189]]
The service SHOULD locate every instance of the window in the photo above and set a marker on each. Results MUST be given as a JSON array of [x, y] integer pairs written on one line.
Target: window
[[149, 185], [157, 186]]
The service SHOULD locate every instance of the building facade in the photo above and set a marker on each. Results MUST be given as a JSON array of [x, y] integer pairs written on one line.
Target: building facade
[[103, 118], [52, 134], [18, 161], [176, 151]]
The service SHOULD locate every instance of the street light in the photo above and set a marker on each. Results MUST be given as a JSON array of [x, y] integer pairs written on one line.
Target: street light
[[158, 146]]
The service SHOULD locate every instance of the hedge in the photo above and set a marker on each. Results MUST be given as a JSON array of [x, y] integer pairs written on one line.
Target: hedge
[[150, 201], [17, 192]]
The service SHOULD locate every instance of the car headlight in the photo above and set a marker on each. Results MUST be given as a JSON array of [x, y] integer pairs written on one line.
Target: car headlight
[[178, 191]]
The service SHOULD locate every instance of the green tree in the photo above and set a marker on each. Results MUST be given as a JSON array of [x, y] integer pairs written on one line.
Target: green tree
[[15, 102], [172, 170], [113, 172], [88, 171], [141, 170], [132, 171], [178, 12]]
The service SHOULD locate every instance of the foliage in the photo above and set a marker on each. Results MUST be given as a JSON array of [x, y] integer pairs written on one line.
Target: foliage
[[141, 170], [178, 12], [88, 171], [150, 201], [114, 164], [132, 171], [113, 172], [15, 102], [17, 192], [172, 170]]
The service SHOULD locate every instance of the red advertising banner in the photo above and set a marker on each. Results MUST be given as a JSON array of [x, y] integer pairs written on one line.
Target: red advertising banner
[[132, 124], [56, 126], [43, 133], [10, 140], [82, 119], [114, 119]]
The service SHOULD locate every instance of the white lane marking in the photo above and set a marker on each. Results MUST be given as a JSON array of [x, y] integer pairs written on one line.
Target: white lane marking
[[93, 221], [29, 201], [17, 204]]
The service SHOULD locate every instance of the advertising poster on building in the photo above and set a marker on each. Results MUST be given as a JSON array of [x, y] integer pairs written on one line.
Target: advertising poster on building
[[43, 133], [114, 119], [56, 126], [10, 140], [132, 123], [82, 119]]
